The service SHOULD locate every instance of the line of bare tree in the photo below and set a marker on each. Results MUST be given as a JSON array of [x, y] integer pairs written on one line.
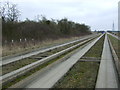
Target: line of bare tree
[[9, 12], [40, 29]]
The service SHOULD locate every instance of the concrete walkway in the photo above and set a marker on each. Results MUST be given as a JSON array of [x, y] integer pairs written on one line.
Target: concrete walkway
[[107, 74]]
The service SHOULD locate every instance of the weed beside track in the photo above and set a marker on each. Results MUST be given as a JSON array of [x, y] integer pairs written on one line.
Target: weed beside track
[[83, 74]]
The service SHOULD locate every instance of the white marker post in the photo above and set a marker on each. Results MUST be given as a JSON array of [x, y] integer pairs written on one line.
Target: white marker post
[[25, 39], [5, 42], [33, 42], [20, 40], [25, 43], [12, 42]]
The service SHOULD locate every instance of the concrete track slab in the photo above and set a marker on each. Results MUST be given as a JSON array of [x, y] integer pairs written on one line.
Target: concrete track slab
[[107, 74]]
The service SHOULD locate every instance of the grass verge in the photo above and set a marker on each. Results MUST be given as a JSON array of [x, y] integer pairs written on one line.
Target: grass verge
[[96, 50], [82, 75], [16, 65], [18, 48], [116, 45]]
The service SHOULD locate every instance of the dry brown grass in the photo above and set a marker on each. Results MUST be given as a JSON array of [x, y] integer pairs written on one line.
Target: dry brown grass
[[20, 48]]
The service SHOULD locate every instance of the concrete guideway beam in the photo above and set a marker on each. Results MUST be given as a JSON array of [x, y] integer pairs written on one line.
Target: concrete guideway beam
[[107, 72]]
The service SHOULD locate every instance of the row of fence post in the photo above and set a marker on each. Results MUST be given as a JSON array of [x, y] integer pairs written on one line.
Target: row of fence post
[[21, 42]]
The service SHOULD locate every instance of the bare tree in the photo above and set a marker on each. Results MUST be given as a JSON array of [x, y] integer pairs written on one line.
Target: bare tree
[[2, 11], [9, 11], [13, 12]]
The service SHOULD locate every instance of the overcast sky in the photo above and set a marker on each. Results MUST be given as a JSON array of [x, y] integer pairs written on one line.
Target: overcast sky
[[98, 14]]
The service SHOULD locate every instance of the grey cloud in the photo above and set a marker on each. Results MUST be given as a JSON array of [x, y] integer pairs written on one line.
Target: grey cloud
[[99, 14]]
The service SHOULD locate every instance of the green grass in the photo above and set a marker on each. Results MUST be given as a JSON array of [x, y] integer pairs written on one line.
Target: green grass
[[96, 50], [81, 75], [116, 45], [16, 65]]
